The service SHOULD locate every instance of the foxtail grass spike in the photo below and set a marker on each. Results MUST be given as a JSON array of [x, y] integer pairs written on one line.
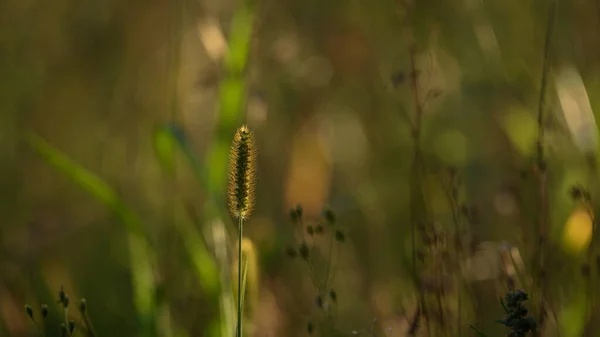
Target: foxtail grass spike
[[242, 166]]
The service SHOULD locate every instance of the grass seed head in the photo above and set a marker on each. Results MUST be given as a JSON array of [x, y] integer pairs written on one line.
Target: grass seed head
[[242, 174]]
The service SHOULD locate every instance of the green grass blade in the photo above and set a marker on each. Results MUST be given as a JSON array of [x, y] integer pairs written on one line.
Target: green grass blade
[[140, 252]]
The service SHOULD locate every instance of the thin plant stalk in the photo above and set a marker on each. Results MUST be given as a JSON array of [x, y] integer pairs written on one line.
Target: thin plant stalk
[[542, 169], [239, 293]]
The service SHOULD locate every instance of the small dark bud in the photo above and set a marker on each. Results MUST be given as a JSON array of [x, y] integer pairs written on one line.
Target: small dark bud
[[44, 310], [299, 210], [293, 214], [319, 302], [303, 250], [310, 230], [339, 236], [63, 330], [61, 295], [29, 311], [398, 78], [585, 270], [310, 328], [576, 193], [319, 229], [333, 295], [71, 326], [82, 305], [291, 252], [329, 215]]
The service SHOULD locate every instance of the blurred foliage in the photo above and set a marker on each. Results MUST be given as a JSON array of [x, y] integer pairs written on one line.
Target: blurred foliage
[[414, 122]]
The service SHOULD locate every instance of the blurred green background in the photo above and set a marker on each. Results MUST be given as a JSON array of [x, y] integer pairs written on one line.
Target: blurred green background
[[115, 124]]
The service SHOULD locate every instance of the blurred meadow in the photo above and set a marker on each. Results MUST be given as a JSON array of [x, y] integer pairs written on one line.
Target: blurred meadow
[[442, 152]]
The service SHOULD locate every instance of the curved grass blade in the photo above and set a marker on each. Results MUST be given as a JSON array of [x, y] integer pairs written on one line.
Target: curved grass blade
[[140, 253]]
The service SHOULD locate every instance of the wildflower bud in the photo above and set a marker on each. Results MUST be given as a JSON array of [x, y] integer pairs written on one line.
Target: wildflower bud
[[82, 306], [310, 230], [319, 302], [339, 236], [576, 193], [303, 250], [71, 326], [310, 328], [293, 214], [61, 295], [29, 311], [329, 215], [291, 252], [299, 210], [44, 310], [333, 295], [398, 78], [319, 229]]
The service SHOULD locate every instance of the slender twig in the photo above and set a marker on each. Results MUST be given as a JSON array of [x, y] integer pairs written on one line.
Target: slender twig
[[416, 174], [542, 169]]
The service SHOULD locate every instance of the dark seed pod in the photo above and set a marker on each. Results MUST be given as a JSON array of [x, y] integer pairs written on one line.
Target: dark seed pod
[[319, 302], [576, 193], [71, 326], [303, 250], [61, 295], [44, 310], [310, 327], [299, 210], [291, 252], [339, 236], [329, 215], [319, 229], [293, 214], [82, 306], [29, 311], [398, 78], [333, 295]]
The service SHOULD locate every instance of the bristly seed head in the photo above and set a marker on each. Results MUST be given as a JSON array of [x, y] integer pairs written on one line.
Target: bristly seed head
[[242, 167]]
